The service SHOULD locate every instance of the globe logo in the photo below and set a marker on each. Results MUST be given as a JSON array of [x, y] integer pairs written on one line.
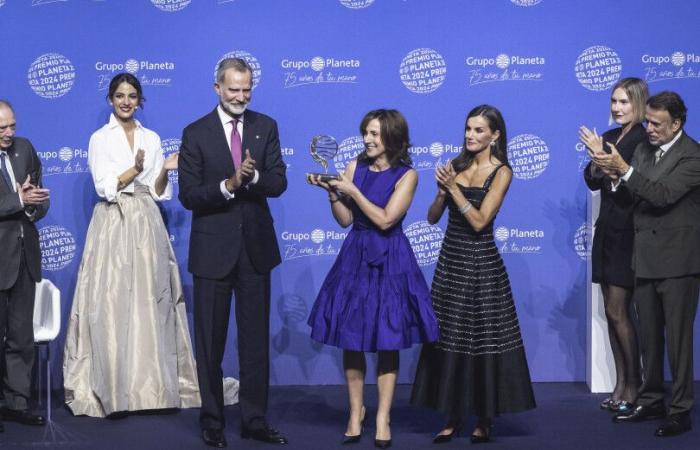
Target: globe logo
[[678, 58], [318, 236], [436, 149], [65, 154], [526, 2], [247, 57], [2, 3], [581, 241], [170, 146], [356, 4], [131, 65], [57, 247], [51, 75], [528, 155], [171, 5], [598, 68], [501, 234], [317, 64], [502, 61], [423, 70], [348, 150]]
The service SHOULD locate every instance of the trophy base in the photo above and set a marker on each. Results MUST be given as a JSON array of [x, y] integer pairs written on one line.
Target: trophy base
[[323, 176]]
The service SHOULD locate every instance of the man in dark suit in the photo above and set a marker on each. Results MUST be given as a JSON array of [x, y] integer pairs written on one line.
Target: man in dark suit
[[21, 204], [233, 246], [665, 180]]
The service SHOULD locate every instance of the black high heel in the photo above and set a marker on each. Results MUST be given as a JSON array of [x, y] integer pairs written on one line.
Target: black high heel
[[355, 439], [445, 438], [382, 443], [485, 427]]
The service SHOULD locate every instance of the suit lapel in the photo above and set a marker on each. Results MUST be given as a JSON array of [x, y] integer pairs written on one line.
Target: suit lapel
[[671, 157]]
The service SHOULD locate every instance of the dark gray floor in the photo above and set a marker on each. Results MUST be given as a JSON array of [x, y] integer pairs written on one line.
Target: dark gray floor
[[314, 417]]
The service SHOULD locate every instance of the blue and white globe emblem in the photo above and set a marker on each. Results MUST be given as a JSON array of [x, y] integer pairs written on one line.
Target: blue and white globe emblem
[[502, 61], [318, 63], [678, 58], [356, 4], [501, 234], [65, 154], [171, 5], [436, 149], [318, 236], [131, 66]]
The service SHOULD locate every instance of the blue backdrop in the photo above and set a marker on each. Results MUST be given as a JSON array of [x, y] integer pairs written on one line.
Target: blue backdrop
[[320, 65]]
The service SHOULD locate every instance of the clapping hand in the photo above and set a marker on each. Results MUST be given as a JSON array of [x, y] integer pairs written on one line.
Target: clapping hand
[[612, 163], [445, 177], [243, 175], [138, 160], [171, 162], [30, 194], [591, 139]]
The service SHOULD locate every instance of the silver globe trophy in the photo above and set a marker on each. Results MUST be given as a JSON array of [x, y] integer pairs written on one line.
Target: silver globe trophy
[[323, 148]]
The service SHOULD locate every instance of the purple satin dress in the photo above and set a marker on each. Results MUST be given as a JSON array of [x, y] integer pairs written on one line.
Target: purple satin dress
[[374, 297]]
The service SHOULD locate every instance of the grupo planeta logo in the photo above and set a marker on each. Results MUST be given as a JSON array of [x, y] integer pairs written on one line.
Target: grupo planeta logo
[[423, 70], [319, 70], [598, 68], [64, 161], [517, 240], [426, 240], [51, 75], [671, 66], [247, 57], [504, 67], [356, 4], [528, 156], [427, 157], [171, 5], [57, 247], [317, 242]]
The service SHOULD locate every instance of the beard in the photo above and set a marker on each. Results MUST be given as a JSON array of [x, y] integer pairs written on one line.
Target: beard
[[236, 109]]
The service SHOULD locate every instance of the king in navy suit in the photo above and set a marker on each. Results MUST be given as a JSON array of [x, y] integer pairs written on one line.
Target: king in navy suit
[[230, 163]]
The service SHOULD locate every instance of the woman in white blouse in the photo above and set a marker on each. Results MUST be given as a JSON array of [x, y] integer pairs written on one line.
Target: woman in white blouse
[[128, 345]]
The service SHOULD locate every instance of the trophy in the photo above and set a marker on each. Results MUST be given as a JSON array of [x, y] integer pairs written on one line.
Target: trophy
[[323, 148]]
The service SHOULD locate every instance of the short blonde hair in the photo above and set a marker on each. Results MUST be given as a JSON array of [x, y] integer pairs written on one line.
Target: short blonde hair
[[638, 92]]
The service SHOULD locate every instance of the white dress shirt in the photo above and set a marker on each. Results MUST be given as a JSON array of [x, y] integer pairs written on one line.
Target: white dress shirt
[[228, 128], [109, 155]]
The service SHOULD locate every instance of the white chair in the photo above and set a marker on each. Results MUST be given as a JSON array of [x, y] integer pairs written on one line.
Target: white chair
[[47, 324]]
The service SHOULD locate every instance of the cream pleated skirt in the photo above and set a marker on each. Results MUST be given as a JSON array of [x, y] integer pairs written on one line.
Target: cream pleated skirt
[[128, 344]]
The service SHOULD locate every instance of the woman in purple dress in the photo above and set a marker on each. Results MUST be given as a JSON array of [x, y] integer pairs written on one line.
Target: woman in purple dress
[[374, 299]]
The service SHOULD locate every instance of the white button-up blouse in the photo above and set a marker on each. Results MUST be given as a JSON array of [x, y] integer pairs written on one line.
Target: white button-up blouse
[[109, 156]]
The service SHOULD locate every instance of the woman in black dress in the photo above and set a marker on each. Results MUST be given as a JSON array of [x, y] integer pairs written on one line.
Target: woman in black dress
[[612, 242], [478, 366]]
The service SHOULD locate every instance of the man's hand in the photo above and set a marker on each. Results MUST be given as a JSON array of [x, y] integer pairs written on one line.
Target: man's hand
[[243, 175], [30, 194], [611, 163], [138, 160]]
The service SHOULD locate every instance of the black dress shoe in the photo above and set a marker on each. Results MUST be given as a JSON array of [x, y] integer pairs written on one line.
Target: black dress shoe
[[607, 404], [214, 437], [382, 443], [445, 438], [675, 424], [641, 413], [266, 434], [22, 416], [355, 439]]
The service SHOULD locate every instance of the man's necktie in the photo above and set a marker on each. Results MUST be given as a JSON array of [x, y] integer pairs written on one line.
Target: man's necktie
[[236, 145], [657, 155], [5, 174]]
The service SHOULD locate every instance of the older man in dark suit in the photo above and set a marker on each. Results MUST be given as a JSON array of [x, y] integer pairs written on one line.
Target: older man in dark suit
[[233, 246], [22, 203], [665, 179]]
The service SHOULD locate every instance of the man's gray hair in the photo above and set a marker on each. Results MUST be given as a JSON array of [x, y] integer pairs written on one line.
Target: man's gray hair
[[6, 104], [237, 64]]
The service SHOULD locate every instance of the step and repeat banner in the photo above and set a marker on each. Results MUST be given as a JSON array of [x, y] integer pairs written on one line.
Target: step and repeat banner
[[319, 66]]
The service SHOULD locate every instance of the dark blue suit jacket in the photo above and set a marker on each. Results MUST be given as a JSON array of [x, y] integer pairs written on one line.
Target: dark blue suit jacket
[[220, 226]]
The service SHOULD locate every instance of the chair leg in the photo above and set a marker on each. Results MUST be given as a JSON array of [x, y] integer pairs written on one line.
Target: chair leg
[[48, 382]]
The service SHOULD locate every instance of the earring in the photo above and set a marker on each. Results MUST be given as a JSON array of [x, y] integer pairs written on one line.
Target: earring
[[493, 143]]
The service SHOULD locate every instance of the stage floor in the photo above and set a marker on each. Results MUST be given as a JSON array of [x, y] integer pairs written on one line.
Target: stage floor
[[314, 417]]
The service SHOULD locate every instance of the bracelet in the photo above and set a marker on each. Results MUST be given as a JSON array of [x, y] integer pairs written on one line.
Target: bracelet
[[467, 206]]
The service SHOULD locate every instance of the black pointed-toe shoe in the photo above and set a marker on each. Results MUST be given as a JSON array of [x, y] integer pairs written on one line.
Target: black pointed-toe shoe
[[214, 437], [382, 443], [354, 439], [266, 434], [675, 424], [447, 437], [640, 414], [22, 416]]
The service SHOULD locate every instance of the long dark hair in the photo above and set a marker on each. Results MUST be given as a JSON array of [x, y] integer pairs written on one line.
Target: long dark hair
[[394, 134], [496, 123], [129, 79]]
